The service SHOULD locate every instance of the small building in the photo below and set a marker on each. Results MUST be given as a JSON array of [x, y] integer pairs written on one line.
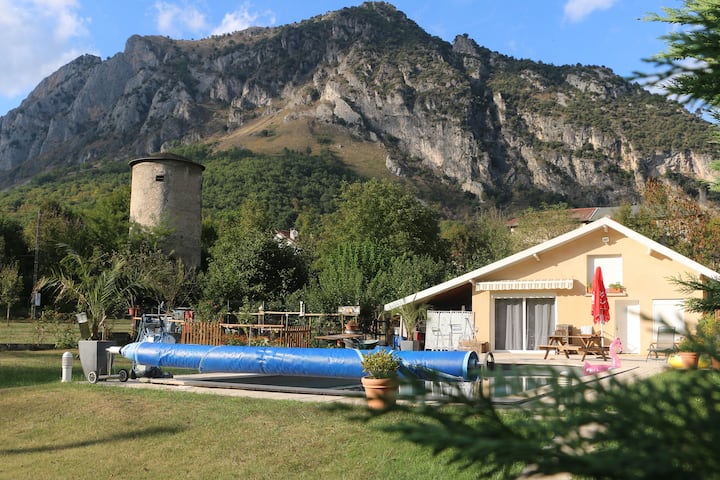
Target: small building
[[516, 302], [166, 192]]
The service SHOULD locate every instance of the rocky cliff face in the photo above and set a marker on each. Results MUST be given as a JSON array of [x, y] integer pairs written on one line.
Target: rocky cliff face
[[501, 128]]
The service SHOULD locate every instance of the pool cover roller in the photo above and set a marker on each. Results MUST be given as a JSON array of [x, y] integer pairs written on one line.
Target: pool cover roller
[[311, 362]]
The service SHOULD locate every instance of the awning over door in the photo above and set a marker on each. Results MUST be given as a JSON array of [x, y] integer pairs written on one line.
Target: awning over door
[[561, 284]]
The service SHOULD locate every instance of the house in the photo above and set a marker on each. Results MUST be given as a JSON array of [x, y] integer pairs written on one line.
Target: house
[[287, 237], [516, 302]]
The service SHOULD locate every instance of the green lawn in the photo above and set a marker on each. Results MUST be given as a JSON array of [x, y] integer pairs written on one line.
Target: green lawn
[[77, 430], [35, 332]]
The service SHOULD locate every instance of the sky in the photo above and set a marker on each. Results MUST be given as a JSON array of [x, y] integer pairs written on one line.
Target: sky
[[39, 36]]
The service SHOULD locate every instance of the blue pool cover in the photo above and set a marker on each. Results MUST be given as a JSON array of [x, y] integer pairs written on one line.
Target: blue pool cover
[[319, 362]]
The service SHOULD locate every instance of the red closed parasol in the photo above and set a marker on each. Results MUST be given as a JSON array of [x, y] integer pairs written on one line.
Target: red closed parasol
[[600, 306]]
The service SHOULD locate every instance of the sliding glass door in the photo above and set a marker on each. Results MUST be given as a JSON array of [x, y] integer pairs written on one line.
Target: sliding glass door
[[522, 323]]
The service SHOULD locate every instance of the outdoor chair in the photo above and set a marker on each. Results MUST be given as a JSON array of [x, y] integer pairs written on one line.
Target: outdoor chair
[[563, 329], [664, 343]]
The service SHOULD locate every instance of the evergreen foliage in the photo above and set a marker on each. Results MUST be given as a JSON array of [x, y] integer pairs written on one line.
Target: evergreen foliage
[[659, 427], [690, 67]]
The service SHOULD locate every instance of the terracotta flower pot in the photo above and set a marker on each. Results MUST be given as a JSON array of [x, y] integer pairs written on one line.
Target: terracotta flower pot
[[715, 363], [381, 393], [689, 359]]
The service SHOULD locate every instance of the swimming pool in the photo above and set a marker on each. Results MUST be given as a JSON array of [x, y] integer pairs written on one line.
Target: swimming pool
[[507, 384]]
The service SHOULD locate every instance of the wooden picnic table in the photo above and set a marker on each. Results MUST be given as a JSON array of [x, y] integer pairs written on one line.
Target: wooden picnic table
[[591, 343], [559, 343], [555, 342]]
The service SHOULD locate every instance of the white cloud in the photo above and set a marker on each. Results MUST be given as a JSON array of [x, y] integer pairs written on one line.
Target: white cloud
[[243, 18], [182, 19], [175, 20], [36, 38], [578, 10], [234, 21]]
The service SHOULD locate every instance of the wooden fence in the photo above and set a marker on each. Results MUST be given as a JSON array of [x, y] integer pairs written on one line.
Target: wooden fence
[[213, 333], [202, 333], [296, 336]]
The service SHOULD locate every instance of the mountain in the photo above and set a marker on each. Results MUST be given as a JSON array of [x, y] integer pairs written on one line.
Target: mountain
[[383, 95]]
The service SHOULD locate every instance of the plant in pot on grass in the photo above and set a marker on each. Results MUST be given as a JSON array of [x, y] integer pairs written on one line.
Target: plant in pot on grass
[[381, 381]]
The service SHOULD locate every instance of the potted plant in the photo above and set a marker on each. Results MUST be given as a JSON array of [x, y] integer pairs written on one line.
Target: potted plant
[[380, 383], [616, 287], [688, 353], [411, 314], [352, 326]]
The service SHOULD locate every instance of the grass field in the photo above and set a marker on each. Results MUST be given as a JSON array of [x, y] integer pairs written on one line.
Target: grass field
[[78, 430], [35, 332]]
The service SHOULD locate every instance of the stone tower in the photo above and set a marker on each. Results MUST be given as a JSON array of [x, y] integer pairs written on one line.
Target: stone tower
[[166, 191]]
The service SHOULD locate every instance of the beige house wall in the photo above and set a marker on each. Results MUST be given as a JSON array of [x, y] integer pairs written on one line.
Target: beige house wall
[[646, 277]]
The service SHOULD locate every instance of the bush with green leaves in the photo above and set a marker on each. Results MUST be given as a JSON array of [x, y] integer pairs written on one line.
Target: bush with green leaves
[[380, 364], [57, 327], [664, 426]]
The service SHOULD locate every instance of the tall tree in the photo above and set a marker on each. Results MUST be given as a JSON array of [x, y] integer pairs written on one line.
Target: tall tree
[[474, 244], [10, 286], [12, 241], [384, 213], [108, 221], [168, 280], [14, 250], [247, 264], [58, 228], [537, 226], [669, 216], [346, 276]]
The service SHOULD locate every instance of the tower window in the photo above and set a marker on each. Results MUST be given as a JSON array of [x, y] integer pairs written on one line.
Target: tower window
[[159, 178]]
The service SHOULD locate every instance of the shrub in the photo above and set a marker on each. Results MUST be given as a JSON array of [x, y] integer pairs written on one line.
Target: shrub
[[381, 364]]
